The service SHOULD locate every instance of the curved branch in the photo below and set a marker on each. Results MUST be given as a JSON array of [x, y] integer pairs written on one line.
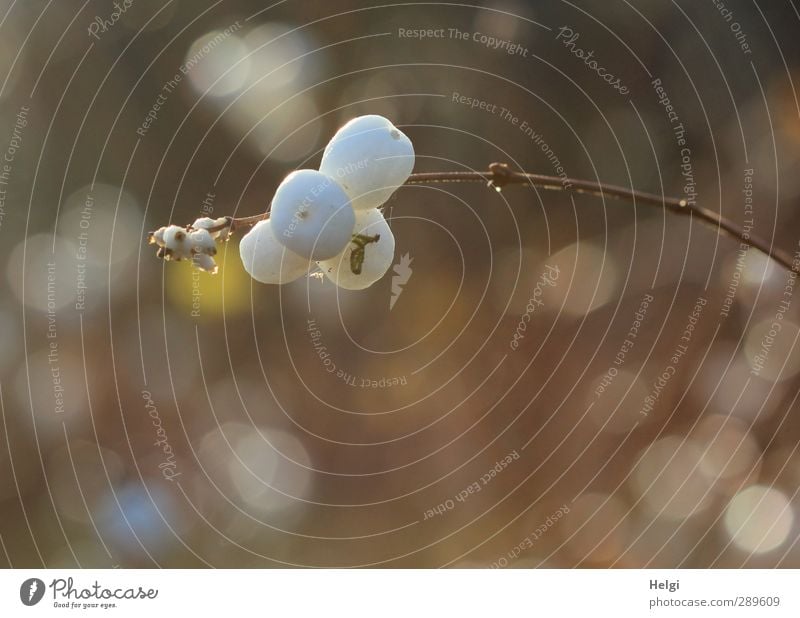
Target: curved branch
[[499, 175]]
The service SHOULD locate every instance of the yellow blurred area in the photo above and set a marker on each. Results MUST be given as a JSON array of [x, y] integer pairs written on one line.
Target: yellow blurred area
[[206, 296]]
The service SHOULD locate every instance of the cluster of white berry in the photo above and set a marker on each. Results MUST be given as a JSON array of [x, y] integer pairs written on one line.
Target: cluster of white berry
[[196, 242], [331, 218]]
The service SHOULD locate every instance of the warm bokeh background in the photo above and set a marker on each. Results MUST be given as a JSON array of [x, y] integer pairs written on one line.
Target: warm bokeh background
[[275, 461]]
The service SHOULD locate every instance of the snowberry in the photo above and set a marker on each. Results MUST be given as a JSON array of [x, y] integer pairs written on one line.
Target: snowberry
[[311, 215], [202, 242], [203, 261], [204, 223], [368, 256], [176, 243], [268, 261], [207, 223], [157, 237], [370, 158]]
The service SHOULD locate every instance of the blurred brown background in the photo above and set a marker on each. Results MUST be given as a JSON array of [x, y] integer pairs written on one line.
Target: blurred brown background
[[153, 416]]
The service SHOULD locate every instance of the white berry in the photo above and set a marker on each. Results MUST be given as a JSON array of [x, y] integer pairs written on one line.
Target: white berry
[[207, 223], [268, 261], [378, 255], [202, 242], [370, 158], [176, 243], [203, 223], [203, 261], [311, 215], [157, 237]]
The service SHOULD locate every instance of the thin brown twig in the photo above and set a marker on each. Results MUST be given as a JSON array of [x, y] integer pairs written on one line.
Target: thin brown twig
[[499, 175]]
